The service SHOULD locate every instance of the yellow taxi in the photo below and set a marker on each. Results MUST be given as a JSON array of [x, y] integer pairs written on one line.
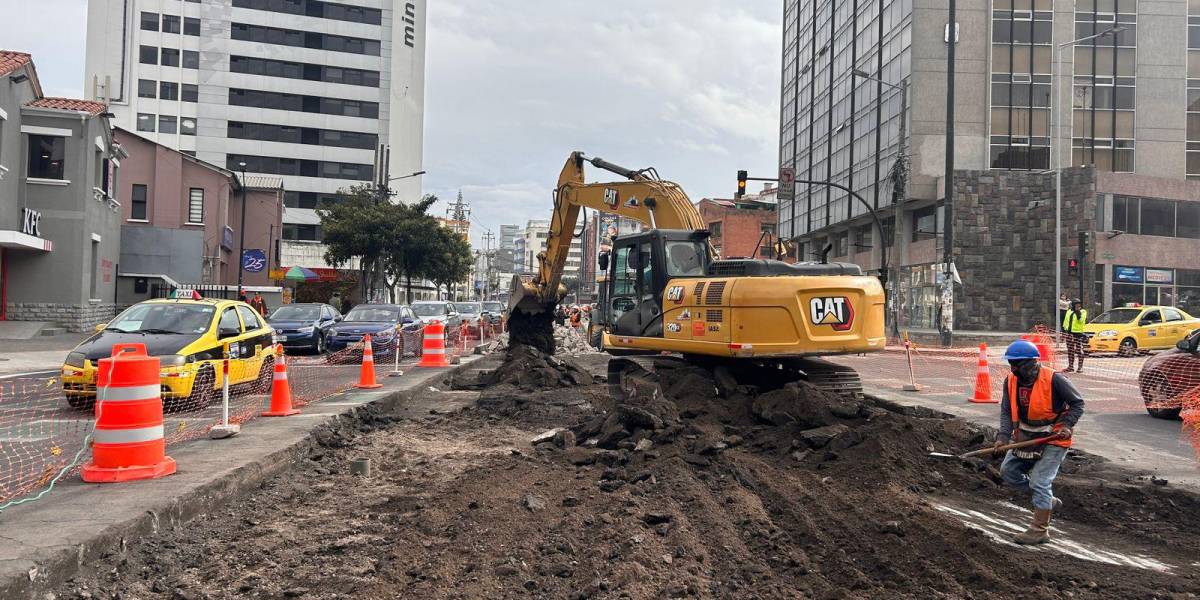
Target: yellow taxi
[[190, 338], [1130, 329]]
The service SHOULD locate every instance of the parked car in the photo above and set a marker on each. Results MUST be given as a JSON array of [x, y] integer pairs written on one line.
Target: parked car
[[304, 326], [1166, 377], [385, 322], [1132, 329], [494, 312], [471, 314], [190, 338], [437, 310]]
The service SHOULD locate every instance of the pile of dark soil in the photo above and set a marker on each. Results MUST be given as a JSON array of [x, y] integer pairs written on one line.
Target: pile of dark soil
[[720, 487]]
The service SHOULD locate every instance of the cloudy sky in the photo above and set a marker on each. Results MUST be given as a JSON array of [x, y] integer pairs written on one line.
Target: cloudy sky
[[688, 86]]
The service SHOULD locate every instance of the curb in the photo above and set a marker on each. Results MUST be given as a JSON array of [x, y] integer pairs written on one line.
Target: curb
[[53, 563]]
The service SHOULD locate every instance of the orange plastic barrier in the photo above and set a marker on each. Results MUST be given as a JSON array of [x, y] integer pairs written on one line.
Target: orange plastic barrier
[[128, 442], [433, 348]]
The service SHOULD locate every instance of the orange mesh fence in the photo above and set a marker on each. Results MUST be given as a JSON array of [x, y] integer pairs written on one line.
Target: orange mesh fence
[[1164, 383], [44, 434]]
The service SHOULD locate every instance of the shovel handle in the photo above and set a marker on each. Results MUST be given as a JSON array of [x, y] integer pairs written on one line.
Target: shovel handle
[[1012, 446]]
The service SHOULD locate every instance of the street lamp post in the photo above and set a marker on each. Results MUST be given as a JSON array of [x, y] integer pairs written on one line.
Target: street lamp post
[[899, 195], [407, 176], [242, 233], [1056, 152]]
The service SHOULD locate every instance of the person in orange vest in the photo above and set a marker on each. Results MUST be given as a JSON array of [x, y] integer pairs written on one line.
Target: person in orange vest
[[1037, 402], [259, 303]]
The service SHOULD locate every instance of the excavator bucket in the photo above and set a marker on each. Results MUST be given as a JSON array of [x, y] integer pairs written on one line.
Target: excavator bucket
[[530, 319]]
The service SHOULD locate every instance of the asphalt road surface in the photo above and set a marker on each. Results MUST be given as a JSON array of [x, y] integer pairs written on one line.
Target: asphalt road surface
[[1115, 424]]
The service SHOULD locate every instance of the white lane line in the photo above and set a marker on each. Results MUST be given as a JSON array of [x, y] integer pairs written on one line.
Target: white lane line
[[29, 374]]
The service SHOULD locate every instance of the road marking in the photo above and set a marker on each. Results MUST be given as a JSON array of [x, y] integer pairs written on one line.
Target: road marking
[[29, 374]]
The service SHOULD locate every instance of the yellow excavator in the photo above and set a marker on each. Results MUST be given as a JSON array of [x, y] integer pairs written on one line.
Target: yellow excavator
[[666, 297]]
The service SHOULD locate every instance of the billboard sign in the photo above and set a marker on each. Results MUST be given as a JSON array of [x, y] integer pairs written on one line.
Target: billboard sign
[[1128, 274]]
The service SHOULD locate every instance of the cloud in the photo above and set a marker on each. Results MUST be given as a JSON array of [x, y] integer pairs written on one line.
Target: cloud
[[54, 31], [689, 87]]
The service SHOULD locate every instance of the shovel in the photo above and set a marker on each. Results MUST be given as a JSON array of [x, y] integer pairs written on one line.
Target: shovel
[[987, 451]]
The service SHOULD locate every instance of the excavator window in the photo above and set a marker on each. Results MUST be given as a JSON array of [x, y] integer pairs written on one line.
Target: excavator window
[[685, 259]]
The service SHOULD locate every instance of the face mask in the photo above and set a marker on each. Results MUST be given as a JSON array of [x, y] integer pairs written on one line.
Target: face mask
[[1025, 370]]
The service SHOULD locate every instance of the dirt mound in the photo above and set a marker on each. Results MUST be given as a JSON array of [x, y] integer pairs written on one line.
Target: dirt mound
[[720, 486], [528, 369]]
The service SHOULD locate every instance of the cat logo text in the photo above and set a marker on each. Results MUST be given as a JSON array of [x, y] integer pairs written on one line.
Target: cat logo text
[[835, 311]]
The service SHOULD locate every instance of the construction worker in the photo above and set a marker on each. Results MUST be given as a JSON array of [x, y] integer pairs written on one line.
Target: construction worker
[[1037, 403], [1072, 326], [259, 303]]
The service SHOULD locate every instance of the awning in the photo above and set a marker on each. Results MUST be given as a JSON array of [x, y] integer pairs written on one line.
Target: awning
[[21, 241]]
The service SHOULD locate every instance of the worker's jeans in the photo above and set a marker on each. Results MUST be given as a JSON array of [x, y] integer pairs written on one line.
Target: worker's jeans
[[1034, 476]]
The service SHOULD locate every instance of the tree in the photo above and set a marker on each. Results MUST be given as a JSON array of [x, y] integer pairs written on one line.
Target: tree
[[411, 243], [360, 225], [450, 259]]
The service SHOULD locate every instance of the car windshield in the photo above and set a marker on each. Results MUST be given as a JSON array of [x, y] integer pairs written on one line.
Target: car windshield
[[164, 318], [493, 306], [470, 308], [373, 314], [429, 310], [296, 313], [1117, 315]]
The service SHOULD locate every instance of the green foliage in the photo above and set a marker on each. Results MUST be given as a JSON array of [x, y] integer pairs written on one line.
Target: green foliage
[[393, 240]]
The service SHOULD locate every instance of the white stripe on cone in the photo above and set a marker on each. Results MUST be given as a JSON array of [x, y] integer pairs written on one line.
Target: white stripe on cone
[[128, 436], [128, 393]]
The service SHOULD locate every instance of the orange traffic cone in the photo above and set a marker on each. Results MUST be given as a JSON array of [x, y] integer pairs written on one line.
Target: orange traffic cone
[[366, 379], [983, 380], [128, 442], [281, 390], [1045, 349], [433, 347]]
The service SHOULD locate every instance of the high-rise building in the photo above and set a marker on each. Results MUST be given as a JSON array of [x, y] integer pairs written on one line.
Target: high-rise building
[[1129, 118], [305, 89], [509, 235]]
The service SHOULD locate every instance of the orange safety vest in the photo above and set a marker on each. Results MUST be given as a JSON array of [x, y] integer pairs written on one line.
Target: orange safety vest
[[1041, 405]]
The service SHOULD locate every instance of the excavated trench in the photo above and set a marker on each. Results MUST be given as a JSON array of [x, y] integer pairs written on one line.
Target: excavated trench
[[527, 480]]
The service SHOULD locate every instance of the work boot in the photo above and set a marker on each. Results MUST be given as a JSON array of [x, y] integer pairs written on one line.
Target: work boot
[[1039, 530]]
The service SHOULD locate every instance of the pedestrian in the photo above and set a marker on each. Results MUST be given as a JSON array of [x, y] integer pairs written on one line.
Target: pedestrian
[[259, 303], [1072, 326], [576, 319], [1036, 403], [1063, 305], [336, 300], [560, 315]]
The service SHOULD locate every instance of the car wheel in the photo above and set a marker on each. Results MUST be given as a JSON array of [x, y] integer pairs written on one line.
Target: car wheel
[[1128, 347], [1156, 393], [203, 392], [320, 343], [79, 402]]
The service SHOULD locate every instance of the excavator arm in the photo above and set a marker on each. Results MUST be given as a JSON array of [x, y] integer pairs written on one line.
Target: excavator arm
[[645, 198]]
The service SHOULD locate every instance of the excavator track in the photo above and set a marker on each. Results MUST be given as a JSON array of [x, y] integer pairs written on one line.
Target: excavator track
[[629, 373]]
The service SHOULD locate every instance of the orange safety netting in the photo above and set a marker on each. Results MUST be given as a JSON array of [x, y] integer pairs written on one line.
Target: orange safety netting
[[42, 433]]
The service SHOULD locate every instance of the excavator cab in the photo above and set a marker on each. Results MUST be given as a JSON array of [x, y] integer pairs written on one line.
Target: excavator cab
[[638, 269]]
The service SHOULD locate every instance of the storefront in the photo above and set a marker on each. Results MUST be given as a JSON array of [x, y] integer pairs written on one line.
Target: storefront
[[1156, 286]]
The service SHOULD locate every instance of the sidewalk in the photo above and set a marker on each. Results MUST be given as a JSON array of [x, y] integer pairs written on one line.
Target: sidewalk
[[37, 354], [46, 541]]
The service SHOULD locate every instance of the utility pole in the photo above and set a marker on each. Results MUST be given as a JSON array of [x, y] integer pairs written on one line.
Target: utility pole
[[947, 320], [242, 233], [488, 238]]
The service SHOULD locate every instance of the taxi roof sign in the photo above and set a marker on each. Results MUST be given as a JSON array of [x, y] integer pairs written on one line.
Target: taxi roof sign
[[185, 295]]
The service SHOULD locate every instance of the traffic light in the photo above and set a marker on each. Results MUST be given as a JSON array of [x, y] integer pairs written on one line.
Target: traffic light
[[1073, 266], [1085, 243], [741, 189]]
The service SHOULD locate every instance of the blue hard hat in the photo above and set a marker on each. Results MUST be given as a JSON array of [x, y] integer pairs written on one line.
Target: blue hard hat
[[1020, 350]]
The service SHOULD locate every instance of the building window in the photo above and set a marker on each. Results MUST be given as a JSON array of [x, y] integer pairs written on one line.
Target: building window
[[306, 71], [303, 168], [1021, 73], [925, 223], [46, 156], [190, 93], [767, 228], [191, 59], [715, 229], [196, 206], [304, 39], [95, 279], [170, 24], [138, 202], [168, 90], [145, 122], [1158, 217], [148, 55], [308, 233], [316, 8], [166, 124], [146, 88], [170, 57], [300, 103], [187, 126], [1193, 91], [1104, 82], [149, 21], [1187, 217], [862, 237], [310, 200], [301, 135], [191, 26]]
